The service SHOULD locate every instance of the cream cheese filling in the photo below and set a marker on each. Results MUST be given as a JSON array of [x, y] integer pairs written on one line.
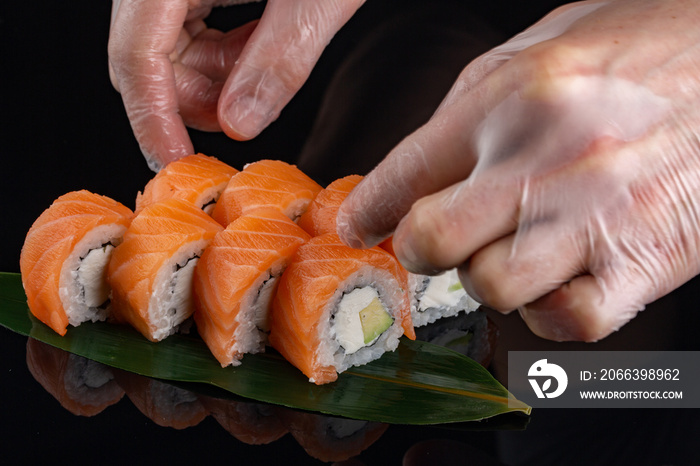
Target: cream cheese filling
[[443, 290], [92, 276]]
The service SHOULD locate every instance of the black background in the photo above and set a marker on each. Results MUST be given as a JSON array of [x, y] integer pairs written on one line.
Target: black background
[[64, 128]]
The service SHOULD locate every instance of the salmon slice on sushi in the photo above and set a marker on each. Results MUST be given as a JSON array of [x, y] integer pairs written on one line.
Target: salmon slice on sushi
[[198, 178], [320, 216], [151, 270], [236, 279], [65, 255], [338, 307], [266, 183]]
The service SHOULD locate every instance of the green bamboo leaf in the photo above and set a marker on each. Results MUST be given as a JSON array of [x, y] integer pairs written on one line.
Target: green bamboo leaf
[[419, 383]]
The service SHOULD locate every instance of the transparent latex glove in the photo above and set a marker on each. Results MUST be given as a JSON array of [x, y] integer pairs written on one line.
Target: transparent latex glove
[[172, 71], [561, 173]]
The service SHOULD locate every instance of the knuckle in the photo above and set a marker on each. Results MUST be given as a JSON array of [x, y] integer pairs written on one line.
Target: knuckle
[[593, 321], [120, 56], [548, 68], [577, 311], [589, 325], [433, 233]]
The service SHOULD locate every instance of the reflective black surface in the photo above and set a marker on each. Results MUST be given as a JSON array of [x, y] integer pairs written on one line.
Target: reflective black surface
[[39, 425], [64, 129]]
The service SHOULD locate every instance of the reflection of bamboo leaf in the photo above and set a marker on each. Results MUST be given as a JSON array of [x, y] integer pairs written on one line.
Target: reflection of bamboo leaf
[[418, 384], [546, 385]]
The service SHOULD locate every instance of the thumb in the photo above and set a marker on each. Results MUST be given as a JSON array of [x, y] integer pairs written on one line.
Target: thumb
[[585, 309], [277, 60]]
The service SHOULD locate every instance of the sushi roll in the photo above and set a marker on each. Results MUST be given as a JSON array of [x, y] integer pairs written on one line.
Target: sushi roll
[[266, 183], [433, 297], [197, 178], [65, 255], [82, 386], [320, 217], [338, 307], [236, 278], [151, 270]]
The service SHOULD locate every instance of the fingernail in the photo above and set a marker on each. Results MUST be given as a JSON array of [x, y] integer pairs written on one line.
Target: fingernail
[[346, 232], [247, 116], [153, 163], [469, 289], [350, 239], [405, 250], [350, 236]]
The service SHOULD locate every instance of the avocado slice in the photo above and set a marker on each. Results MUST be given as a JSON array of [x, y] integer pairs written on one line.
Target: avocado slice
[[374, 320]]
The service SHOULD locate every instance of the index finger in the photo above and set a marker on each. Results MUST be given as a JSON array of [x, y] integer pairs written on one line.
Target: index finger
[[442, 152], [418, 166], [437, 155], [277, 60], [142, 36]]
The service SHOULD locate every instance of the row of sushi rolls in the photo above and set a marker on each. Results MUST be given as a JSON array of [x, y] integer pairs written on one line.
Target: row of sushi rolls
[[250, 256]]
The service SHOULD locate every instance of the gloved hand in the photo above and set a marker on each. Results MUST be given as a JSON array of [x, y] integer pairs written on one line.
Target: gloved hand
[[561, 173], [172, 70]]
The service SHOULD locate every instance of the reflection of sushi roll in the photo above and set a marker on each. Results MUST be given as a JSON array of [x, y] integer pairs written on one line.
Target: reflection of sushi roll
[[197, 178], [161, 402], [251, 423], [266, 183], [65, 255], [151, 271], [328, 438], [236, 278], [438, 296], [320, 217], [338, 307], [82, 386]]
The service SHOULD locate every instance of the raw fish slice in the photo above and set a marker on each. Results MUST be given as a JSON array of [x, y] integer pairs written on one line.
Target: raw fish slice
[[337, 307], [151, 271], [267, 183], [319, 218], [197, 178], [161, 402], [251, 423], [236, 278], [82, 386], [64, 258]]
